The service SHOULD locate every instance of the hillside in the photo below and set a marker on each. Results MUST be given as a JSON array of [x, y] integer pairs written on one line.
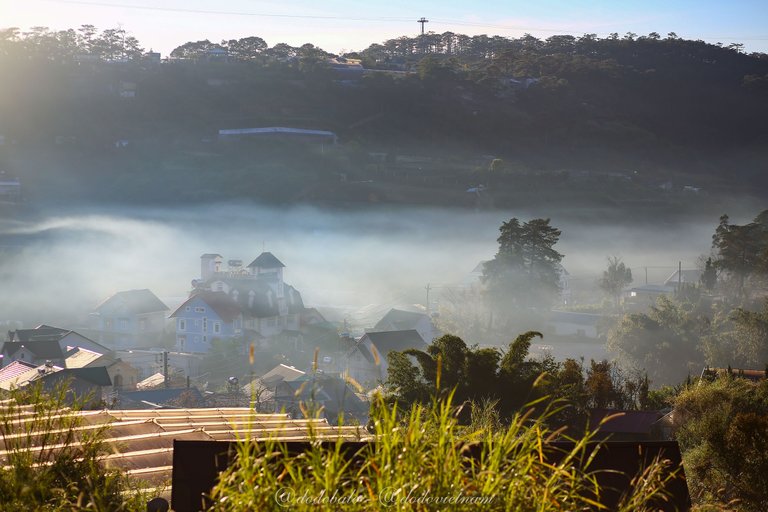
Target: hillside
[[418, 120]]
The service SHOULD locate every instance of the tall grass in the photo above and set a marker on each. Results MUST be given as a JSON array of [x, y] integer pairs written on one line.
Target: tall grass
[[48, 463], [423, 459]]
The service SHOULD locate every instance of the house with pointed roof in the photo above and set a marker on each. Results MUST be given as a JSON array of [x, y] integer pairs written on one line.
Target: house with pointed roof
[[206, 315], [66, 338], [130, 319], [44, 343], [11, 372], [261, 391], [321, 395], [251, 302], [367, 362], [401, 320], [33, 352], [686, 276], [123, 375], [93, 384]]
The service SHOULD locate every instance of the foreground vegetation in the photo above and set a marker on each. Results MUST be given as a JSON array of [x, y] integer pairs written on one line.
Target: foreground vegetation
[[431, 450], [421, 462], [48, 464], [723, 434]]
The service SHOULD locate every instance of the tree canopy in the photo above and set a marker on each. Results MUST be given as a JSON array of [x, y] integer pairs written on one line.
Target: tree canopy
[[526, 270], [615, 278], [742, 251]]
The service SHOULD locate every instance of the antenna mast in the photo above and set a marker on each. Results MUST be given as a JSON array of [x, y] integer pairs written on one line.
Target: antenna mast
[[423, 20]]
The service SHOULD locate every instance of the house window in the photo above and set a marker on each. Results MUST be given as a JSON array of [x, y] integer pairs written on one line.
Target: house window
[[219, 286], [199, 310], [188, 309], [205, 325], [143, 324], [197, 323], [108, 323], [205, 339], [122, 324], [182, 324], [216, 328]]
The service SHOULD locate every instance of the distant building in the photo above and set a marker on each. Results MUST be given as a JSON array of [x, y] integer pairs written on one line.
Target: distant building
[[318, 393], [204, 316], [568, 323], [92, 383], [130, 319], [45, 343], [152, 57], [217, 55], [345, 70], [123, 375], [11, 373], [711, 374], [640, 297], [150, 361], [127, 90], [261, 391], [367, 362], [400, 320], [279, 133], [250, 303], [689, 276]]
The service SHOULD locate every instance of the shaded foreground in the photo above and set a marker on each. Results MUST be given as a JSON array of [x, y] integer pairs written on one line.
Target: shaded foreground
[[423, 459], [58, 458]]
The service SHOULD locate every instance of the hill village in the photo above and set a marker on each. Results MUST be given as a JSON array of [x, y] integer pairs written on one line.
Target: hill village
[[242, 337]]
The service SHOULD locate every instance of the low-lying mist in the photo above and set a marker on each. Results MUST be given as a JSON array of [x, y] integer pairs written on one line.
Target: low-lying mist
[[56, 269]]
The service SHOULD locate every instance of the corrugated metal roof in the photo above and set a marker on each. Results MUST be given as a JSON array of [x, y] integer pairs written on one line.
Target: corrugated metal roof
[[141, 441], [15, 369], [81, 358]]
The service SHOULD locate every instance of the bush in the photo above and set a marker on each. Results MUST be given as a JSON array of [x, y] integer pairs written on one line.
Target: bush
[[723, 433]]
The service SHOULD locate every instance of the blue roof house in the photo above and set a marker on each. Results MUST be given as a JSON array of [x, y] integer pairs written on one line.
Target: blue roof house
[[206, 316]]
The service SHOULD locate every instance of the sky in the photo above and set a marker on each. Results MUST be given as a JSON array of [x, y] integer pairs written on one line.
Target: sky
[[345, 25]]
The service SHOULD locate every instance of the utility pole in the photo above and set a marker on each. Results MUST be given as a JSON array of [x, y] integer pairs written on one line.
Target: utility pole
[[423, 20], [679, 276], [427, 288], [166, 377]]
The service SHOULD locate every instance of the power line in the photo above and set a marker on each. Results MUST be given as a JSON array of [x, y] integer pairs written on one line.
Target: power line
[[358, 18], [226, 13]]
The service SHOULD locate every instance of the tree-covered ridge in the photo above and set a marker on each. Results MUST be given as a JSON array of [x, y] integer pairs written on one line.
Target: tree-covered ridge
[[651, 104], [41, 43]]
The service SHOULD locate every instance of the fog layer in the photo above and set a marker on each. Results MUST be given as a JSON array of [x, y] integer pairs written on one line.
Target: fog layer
[[57, 268]]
